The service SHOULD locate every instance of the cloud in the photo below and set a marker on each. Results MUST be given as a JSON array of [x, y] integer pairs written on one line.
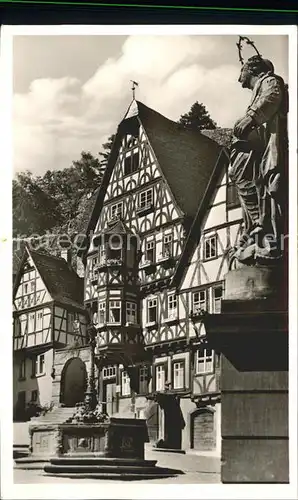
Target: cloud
[[59, 117]]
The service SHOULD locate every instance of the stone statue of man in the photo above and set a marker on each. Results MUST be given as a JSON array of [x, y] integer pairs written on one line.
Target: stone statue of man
[[258, 163]]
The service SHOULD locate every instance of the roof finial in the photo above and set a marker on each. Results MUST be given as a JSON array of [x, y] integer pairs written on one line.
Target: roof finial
[[133, 88]]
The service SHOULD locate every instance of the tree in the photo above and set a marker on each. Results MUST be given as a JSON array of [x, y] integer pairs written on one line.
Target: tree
[[197, 118], [107, 146]]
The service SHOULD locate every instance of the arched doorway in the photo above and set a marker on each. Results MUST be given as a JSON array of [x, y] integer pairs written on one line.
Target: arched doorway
[[73, 382]]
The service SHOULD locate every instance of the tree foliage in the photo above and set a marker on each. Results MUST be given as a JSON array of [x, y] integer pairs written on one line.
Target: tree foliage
[[43, 202], [197, 118], [107, 146]]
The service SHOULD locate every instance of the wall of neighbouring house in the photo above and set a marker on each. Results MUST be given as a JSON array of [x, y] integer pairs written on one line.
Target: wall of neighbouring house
[[41, 383]]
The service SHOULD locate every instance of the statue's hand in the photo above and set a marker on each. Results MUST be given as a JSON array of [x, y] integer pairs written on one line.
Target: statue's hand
[[243, 127]]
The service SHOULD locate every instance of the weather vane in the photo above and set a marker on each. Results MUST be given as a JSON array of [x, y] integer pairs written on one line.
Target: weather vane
[[240, 46], [133, 88]]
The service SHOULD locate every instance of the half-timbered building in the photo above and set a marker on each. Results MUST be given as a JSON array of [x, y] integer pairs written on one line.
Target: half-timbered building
[[146, 280], [48, 314]]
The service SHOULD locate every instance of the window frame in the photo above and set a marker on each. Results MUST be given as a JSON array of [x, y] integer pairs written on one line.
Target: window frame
[[111, 372], [174, 297], [22, 369], [104, 309], [36, 364], [165, 243], [110, 321], [206, 360], [217, 287], [116, 215], [182, 362], [37, 328], [153, 250], [143, 372], [163, 365], [206, 240], [148, 308], [127, 382], [194, 311], [128, 306], [146, 204]]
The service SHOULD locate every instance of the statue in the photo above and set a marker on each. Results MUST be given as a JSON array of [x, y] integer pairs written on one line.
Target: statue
[[258, 163]]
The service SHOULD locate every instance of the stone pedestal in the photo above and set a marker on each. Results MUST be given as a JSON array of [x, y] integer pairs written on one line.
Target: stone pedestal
[[251, 333]]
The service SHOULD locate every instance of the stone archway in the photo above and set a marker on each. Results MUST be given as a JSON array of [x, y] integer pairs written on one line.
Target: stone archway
[[73, 382]]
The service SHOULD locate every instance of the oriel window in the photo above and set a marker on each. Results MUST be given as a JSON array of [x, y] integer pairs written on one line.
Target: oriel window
[[115, 311], [199, 301], [131, 312]]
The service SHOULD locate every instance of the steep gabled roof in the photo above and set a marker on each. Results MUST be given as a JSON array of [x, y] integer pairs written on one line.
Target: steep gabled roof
[[195, 232], [186, 158], [62, 283]]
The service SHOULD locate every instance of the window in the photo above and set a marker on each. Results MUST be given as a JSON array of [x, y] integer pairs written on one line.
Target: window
[[217, 298], [172, 306], [131, 312], [160, 377], [115, 247], [130, 141], [117, 210], [101, 313], [146, 199], [125, 386], [109, 371], [150, 250], [33, 286], [115, 311], [38, 365], [210, 247], [199, 301], [205, 361], [232, 196], [31, 323], [178, 375], [168, 245], [39, 318], [143, 379], [152, 310], [102, 253], [26, 288], [131, 163], [22, 370], [34, 396]]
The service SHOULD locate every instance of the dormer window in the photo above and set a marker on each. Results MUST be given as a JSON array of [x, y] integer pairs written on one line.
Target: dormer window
[[131, 162]]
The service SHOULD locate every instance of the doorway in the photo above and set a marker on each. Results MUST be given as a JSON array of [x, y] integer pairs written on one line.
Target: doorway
[[73, 382]]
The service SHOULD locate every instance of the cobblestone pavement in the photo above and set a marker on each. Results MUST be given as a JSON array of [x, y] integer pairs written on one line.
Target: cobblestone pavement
[[197, 469]]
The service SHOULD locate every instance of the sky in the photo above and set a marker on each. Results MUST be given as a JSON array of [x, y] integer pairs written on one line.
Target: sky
[[71, 92]]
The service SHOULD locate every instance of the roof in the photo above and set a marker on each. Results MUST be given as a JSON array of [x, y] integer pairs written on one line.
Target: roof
[[62, 283], [186, 158], [194, 234], [222, 136]]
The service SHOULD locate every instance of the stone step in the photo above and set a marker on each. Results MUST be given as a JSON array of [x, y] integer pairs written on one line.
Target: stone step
[[111, 471], [83, 460], [127, 476]]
